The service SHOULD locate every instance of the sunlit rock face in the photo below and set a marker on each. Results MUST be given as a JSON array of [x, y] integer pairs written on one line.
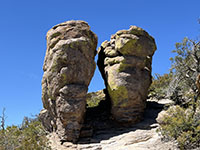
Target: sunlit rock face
[[68, 68], [125, 65]]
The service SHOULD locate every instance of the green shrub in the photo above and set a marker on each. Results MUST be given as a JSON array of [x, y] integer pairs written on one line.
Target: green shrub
[[29, 136], [181, 125], [159, 86]]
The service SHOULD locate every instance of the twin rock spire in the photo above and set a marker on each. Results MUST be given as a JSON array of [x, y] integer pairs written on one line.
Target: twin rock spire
[[125, 65]]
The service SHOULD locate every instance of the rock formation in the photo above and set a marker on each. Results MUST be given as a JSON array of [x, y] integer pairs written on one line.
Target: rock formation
[[125, 65], [141, 136], [68, 68]]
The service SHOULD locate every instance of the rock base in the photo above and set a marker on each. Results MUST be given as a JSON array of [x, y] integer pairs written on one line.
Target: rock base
[[142, 136]]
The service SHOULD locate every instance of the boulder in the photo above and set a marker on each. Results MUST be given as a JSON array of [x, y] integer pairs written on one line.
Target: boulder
[[94, 98], [68, 68], [125, 65]]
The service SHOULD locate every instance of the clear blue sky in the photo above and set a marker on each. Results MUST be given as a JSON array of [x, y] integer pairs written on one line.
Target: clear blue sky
[[24, 23]]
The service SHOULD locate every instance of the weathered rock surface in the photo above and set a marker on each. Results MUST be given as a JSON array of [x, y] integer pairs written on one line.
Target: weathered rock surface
[[141, 136], [68, 68], [125, 64]]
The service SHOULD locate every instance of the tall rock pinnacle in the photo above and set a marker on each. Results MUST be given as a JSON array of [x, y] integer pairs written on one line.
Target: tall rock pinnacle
[[68, 68], [125, 65]]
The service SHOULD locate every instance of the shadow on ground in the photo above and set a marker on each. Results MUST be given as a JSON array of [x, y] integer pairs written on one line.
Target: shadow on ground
[[98, 126]]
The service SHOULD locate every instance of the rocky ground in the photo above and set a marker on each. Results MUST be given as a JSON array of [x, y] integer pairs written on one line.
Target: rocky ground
[[108, 136]]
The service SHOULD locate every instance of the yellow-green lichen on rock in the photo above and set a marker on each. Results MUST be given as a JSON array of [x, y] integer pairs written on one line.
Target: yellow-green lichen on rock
[[117, 91], [54, 35], [123, 66], [120, 43], [117, 95], [137, 31], [93, 98], [124, 72], [130, 46]]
